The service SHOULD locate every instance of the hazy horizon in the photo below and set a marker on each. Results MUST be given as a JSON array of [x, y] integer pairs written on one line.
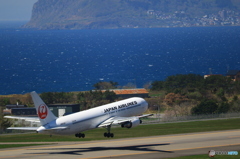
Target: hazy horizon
[[15, 10]]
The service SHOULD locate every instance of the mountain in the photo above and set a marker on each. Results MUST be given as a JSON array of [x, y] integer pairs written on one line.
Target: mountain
[[89, 14]]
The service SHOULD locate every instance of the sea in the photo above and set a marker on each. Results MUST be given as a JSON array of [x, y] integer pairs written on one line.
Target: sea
[[74, 60]]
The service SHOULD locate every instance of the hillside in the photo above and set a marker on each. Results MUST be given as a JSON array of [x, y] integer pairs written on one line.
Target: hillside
[[89, 14]]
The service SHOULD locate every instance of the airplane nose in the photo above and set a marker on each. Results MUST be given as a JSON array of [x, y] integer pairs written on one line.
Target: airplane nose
[[145, 103]]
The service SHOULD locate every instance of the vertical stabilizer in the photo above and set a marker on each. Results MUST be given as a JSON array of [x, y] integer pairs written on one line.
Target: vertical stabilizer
[[44, 113]]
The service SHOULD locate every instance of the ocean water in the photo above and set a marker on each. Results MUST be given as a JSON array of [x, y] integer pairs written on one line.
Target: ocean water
[[74, 60]]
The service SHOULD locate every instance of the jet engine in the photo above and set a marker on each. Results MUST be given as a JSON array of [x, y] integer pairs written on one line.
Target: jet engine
[[132, 123]]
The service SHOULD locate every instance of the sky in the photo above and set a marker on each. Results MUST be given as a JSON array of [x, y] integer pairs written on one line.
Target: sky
[[16, 10]]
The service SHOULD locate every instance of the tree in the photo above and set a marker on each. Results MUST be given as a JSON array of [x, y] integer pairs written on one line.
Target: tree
[[172, 98], [205, 107], [57, 97], [220, 93], [235, 106], [4, 123], [214, 83], [110, 96], [4, 101], [183, 81], [223, 108], [236, 87], [157, 85], [95, 98], [177, 83], [47, 97]]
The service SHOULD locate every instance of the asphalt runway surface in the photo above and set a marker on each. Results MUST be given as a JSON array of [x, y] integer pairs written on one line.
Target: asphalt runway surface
[[154, 147]]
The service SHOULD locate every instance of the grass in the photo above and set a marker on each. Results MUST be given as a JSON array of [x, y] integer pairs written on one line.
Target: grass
[[207, 157], [3, 146], [139, 131]]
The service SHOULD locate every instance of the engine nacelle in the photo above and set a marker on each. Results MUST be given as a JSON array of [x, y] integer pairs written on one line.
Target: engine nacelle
[[131, 124]]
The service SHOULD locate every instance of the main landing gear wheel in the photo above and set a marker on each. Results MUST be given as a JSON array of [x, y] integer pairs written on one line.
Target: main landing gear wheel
[[80, 135], [108, 134]]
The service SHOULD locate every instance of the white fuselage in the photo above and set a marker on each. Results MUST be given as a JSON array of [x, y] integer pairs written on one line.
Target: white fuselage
[[92, 118]]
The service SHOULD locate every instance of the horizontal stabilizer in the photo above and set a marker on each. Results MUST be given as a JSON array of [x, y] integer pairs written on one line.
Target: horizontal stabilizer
[[36, 128], [31, 119], [58, 128], [23, 128]]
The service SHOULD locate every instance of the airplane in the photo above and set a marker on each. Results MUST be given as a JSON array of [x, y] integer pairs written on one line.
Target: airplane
[[125, 113]]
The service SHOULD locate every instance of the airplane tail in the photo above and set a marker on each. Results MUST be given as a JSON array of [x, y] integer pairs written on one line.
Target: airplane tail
[[44, 113]]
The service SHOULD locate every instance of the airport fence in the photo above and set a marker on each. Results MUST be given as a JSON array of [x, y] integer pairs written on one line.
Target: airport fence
[[162, 118]]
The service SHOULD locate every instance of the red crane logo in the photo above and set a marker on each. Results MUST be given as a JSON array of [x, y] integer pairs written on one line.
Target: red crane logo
[[42, 111]]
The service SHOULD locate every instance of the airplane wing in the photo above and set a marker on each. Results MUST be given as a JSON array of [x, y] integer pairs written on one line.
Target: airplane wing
[[145, 115], [106, 122], [121, 120], [31, 119]]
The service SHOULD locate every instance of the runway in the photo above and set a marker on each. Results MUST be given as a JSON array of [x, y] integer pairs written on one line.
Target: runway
[[164, 146]]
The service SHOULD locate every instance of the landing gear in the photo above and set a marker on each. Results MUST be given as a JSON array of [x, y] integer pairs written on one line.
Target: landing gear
[[80, 135], [108, 134]]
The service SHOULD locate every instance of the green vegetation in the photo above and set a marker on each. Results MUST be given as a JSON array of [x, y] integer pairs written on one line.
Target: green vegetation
[[92, 99], [3, 146], [205, 107], [57, 97], [192, 94], [4, 123], [140, 131], [186, 83], [177, 95]]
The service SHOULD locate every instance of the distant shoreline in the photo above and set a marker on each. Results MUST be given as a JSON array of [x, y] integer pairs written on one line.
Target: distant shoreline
[[20, 24]]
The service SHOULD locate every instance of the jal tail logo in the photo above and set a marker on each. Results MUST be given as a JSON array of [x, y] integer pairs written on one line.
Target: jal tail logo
[[42, 111]]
